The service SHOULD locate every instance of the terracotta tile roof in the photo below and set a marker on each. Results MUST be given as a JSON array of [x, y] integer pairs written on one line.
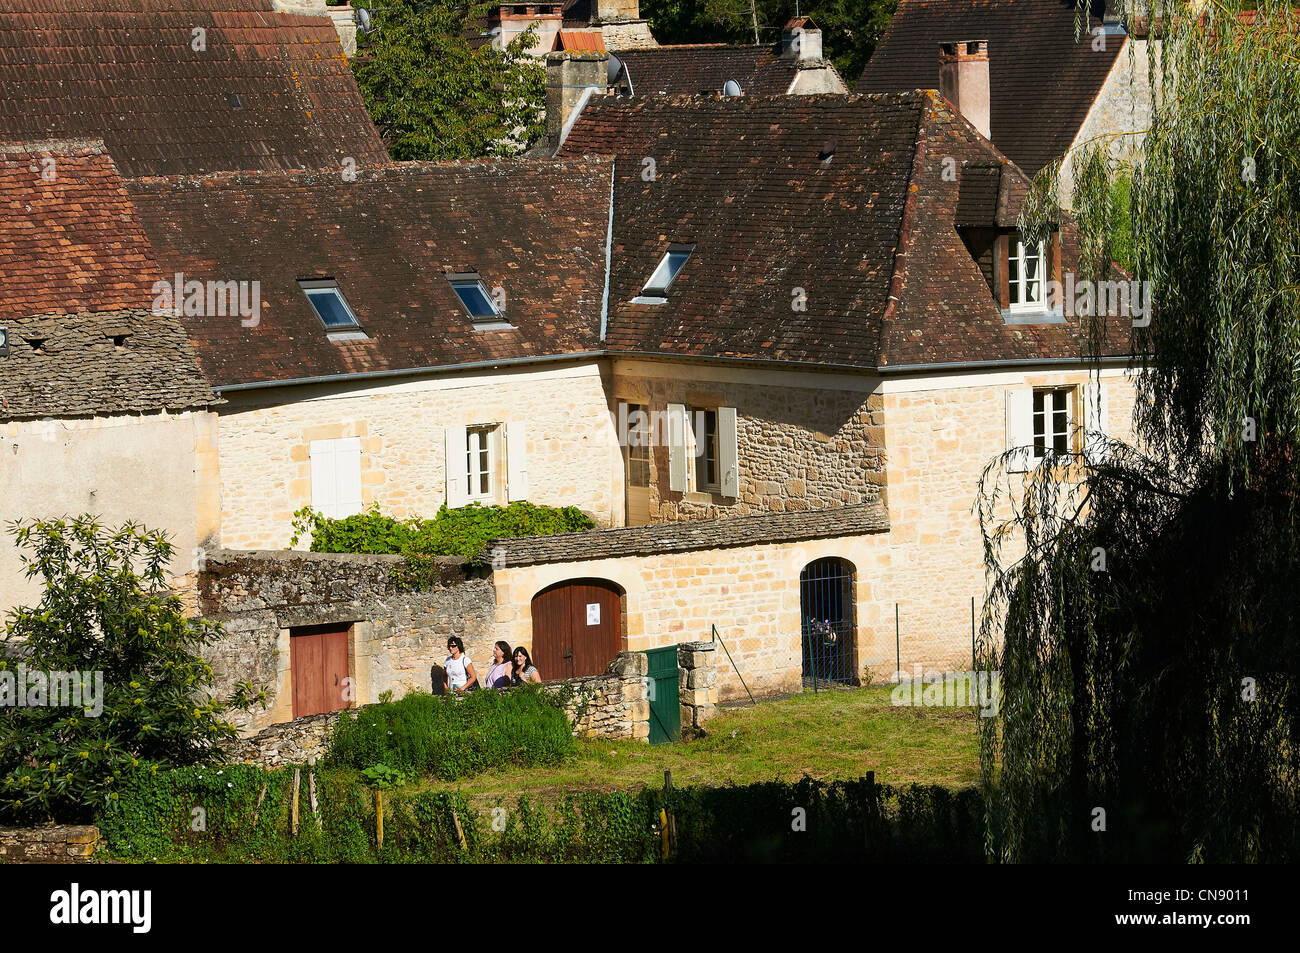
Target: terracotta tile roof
[[125, 71], [588, 40], [82, 364], [824, 230], [703, 69], [69, 238], [1041, 82], [697, 534], [537, 230]]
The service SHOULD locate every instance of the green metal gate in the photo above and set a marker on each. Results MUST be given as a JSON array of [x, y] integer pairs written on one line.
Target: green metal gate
[[665, 713]]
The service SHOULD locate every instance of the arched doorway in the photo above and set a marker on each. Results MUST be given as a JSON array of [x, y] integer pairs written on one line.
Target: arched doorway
[[577, 628], [826, 620]]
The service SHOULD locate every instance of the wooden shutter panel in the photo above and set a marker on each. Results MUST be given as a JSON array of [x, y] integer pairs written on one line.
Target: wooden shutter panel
[[677, 448], [517, 460], [728, 454], [324, 493], [457, 467], [1094, 421], [347, 476], [1020, 428]]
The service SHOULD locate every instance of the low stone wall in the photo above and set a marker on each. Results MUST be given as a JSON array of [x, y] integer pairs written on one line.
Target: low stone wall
[[292, 742], [397, 639], [57, 844], [615, 705]]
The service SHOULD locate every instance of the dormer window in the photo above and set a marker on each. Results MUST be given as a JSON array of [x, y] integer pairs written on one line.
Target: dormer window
[[1026, 289], [329, 304], [483, 308], [656, 289]]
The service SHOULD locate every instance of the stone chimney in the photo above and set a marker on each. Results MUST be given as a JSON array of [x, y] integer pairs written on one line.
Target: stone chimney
[[608, 10], [569, 76], [964, 80], [802, 39]]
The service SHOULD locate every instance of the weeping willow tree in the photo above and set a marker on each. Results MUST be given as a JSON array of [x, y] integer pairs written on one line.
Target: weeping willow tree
[[1144, 609]]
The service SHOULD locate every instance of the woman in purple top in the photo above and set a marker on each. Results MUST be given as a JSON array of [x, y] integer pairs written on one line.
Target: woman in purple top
[[499, 673]]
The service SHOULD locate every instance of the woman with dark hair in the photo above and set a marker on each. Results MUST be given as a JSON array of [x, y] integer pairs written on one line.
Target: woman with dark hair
[[523, 670], [458, 673], [499, 674]]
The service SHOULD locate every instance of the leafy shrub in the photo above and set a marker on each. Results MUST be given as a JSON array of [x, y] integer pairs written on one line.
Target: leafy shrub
[[449, 738], [105, 609], [463, 532]]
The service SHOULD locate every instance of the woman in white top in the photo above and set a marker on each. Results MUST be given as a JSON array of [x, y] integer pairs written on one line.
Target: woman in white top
[[499, 673], [458, 671]]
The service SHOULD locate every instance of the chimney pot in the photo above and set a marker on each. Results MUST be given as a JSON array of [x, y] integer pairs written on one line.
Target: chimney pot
[[964, 80]]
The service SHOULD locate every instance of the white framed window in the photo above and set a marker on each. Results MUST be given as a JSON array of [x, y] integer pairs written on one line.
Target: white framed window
[[486, 463], [1053, 421], [480, 463], [1026, 282], [704, 441], [336, 476], [703, 450]]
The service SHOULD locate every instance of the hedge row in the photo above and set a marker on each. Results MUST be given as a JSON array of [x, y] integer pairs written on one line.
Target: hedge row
[[241, 814]]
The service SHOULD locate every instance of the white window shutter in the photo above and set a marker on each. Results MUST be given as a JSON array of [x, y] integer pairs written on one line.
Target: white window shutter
[[728, 454], [324, 493], [677, 448], [347, 476], [1020, 428], [457, 467], [517, 460], [1094, 421]]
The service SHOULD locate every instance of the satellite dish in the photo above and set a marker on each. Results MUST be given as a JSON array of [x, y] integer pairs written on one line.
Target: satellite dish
[[615, 67], [364, 23], [731, 88]]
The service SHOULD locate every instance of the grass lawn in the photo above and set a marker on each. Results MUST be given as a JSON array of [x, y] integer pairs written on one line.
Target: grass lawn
[[843, 733]]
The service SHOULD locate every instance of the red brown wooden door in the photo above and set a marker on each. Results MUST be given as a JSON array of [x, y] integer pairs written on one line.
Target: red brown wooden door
[[318, 660], [577, 628]]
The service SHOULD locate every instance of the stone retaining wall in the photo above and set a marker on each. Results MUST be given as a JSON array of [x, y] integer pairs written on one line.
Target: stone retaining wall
[[615, 705], [696, 684], [56, 844]]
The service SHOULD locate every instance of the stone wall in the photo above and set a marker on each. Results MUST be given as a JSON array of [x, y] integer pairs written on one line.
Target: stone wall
[[615, 705], [801, 446], [572, 451], [302, 740], [56, 844], [397, 639]]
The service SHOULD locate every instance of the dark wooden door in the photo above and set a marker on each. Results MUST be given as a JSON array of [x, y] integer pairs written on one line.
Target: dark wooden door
[[318, 660], [577, 628]]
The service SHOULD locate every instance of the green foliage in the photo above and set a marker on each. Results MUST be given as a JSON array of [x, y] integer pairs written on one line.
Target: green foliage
[[105, 612], [248, 818], [434, 95], [449, 738], [381, 777], [1165, 688], [463, 532], [850, 28]]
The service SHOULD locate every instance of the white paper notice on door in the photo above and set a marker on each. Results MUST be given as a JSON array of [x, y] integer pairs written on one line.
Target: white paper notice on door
[[593, 613]]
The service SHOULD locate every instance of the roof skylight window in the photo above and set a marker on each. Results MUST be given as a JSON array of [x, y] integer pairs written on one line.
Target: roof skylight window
[[329, 304], [656, 289], [484, 308]]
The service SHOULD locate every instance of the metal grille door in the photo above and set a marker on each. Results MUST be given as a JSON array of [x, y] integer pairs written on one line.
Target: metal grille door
[[826, 613]]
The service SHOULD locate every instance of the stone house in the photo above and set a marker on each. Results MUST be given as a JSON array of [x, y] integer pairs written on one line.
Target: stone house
[[1017, 71], [768, 343]]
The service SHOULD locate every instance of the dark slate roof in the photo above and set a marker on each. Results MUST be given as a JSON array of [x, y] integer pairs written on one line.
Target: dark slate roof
[[1042, 83], [704, 69], [85, 364], [124, 71], [869, 235], [537, 230], [69, 238], [695, 535]]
